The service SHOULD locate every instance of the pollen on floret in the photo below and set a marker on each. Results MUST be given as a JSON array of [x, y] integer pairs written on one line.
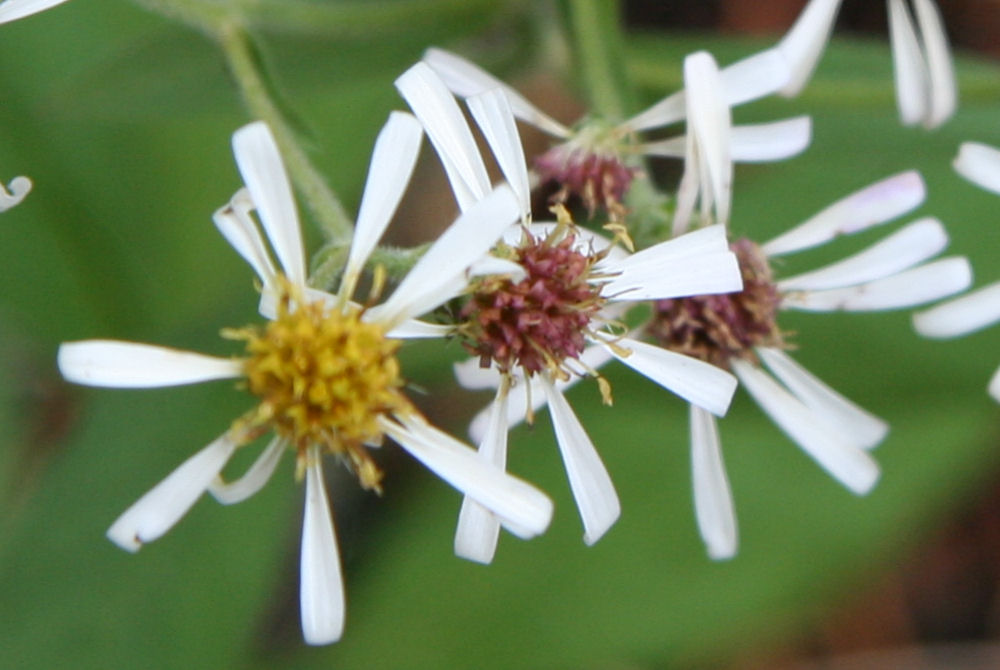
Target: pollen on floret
[[324, 376], [719, 328], [542, 320]]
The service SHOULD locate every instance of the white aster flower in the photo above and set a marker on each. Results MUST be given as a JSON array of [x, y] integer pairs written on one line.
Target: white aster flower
[[926, 93], [739, 332], [11, 10], [551, 321], [323, 368], [596, 159], [980, 164]]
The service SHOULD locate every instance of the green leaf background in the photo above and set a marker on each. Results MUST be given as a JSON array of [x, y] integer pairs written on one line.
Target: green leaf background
[[123, 121]]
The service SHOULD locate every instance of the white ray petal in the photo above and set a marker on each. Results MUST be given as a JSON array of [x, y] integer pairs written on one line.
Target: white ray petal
[[753, 77], [871, 206], [159, 509], [863, 428], [710, 123], [236, 225], [909, 66], [522, 508], [749, 143], [713, 498], [961, 316], [427, 283], [491, 265], [14, 192], [943, 92], [994, 387], [471, 376], [703, 241], [700, 383], [447, 130], [478, 529], [130, 365], [393, 159], [492, 112], [263, 172], [980, 164], [911, 288], [695, 275], [804, 43], [258, 474], [321, 587], [415, 329], [592, 489], [850, 465], [11, 10], [903, 249], [466, 79]]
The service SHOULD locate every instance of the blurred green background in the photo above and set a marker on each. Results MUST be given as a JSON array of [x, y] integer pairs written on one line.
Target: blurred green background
[[123, 120]]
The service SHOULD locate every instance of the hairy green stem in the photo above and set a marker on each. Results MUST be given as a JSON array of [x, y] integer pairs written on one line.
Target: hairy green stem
[[598, 41]]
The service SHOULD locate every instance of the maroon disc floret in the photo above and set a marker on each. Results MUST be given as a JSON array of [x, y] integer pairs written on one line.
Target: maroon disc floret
[[540, 321], [718, 328]]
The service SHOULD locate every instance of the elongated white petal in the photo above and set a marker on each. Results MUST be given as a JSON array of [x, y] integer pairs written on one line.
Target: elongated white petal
[[415, 329], [903, 249], [703, 241], [700, 383], [871, 206], [980, 164], [753, 77], [961, 316], [263, 172], [911, 288], [466, 79], [156, 512], [695, 275], [908, 62], [749, 143], [130, 365], [492, 112], [943, 92], [478, 529], [321, 587], [863, 428], [523, 509], [236, 225], [804, 43], [491, 265], [713, 498], [471, 375], [393, 158], [253, 480], [994, 387], [457, 248], [445, 125], [11, 10], [14, 192], [850, 465], [709, 121], [588, 478]]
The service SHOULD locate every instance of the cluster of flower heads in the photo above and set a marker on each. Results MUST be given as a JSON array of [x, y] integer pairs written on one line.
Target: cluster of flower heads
[[541, 305]]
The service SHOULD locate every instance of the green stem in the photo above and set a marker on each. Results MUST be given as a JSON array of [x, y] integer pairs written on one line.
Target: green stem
[[597, 36], [246, 69]]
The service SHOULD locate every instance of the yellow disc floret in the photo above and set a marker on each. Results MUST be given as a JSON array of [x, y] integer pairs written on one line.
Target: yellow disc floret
[[325, 377]]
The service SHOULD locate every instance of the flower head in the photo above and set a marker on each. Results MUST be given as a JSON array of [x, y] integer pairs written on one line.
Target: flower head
[[596, 160], [323, 369]]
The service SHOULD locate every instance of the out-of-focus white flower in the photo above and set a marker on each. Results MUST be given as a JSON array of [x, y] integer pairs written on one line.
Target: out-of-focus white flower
[[14, 193], [926, 93], [980, 164], [595, 158], [323, 368], [12, 10], [739, 332]]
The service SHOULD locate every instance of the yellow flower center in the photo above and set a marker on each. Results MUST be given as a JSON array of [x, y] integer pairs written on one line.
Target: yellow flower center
[[324, 377]]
